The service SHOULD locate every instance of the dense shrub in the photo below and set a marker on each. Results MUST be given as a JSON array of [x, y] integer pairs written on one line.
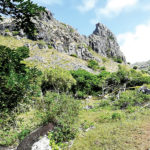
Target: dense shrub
[[74, 55], [135, 67], [117, 78], [130, 77], [90, 84], [57, 79], [118, 60], [102, 68], [86, 83], [137, 78], [131, 98], [16, 79], [93, 64], [62, 110]]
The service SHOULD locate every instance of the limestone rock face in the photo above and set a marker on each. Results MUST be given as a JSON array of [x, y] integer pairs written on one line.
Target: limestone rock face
[[104, 42], [66, 39], [42, 144]]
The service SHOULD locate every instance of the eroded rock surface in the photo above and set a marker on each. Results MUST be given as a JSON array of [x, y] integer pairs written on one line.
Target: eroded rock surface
[[42, 144], [104, 42]]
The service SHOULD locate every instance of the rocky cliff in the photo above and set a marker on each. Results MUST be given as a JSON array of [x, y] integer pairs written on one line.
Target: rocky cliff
[[66, 39], [104, 42]]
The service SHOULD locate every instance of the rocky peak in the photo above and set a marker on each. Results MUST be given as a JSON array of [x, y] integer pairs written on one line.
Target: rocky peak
[[102, 30], [99, 28], [104, 42], [46, 16]]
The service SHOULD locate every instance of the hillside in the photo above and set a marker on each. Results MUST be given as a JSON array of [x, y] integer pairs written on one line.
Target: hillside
[[54, 43], [143, 65]]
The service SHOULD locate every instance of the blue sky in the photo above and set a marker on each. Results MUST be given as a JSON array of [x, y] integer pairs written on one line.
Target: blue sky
[[129, 20]]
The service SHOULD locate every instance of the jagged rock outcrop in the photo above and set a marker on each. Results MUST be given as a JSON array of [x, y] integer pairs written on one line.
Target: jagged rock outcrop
[[67, 40], [104, 42]]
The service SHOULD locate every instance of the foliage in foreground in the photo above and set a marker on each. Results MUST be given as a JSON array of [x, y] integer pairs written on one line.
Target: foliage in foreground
[[62, 110], [17, 80]]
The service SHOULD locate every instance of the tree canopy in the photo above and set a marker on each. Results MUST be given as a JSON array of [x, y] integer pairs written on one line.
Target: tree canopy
[[23, 11]]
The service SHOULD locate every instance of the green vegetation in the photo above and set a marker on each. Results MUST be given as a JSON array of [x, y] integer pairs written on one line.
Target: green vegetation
[[57, 79], [62, 110], [111, 37], [17, 80], [131, 98], [15, 33], [135, 67], [90, 49], [7, 30], [118, 60], [19, 84], [104, 59], [71, 30], [93, 64], [26, 100], [102, 68], [113, 129], [86, 83], [50, 47], [74, 55]]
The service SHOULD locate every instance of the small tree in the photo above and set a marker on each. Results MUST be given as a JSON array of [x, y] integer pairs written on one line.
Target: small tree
[[15, 77], [135, 67], [57, 79]]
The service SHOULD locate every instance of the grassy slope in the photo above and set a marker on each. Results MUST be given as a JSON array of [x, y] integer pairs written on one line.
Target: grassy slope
[[131, 132], [50, 57]]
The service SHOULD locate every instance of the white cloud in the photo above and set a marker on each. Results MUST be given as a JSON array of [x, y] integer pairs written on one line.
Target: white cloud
[[136, 45], [87, 5], [47, 2], [115, 7]]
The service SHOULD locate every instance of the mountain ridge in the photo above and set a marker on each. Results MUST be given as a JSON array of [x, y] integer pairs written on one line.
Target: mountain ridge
[[66, 39]]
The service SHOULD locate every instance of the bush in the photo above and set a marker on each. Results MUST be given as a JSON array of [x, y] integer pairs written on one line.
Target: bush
[[93, 64], [23, 134], [135, 67], [104, 59], [137, 78], [15, 33], [131, 98], [118, 60], [50, 47], [86, 83], [57, 79], [86, 125], [104, 103], [74, 55], [116, 116], [17, 80], [62, 110], [103, 68]]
